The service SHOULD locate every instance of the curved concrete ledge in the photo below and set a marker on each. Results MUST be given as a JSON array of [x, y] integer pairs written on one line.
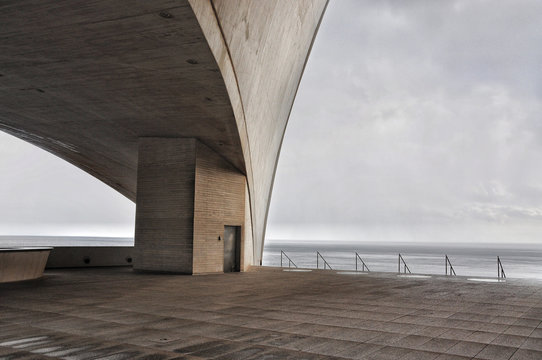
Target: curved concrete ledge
[[23, 263], [261, 49]]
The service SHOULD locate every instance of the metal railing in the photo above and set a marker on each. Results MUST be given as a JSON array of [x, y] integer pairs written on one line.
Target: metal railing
[[290, 262], [405, 266], [448, 265], [402, 266], [500, 270], [363, 267], [318, 256]]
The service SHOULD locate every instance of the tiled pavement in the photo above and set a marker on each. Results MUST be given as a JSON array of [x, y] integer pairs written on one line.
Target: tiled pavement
[[115, 314]]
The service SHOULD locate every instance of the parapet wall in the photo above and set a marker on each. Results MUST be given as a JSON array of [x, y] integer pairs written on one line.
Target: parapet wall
[[86, 256]]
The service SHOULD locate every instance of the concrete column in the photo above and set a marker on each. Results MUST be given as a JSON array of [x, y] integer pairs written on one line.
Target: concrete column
[[186, 194], [165, 204]]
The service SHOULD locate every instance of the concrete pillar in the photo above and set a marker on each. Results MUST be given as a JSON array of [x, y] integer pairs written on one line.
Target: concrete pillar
[[165, 204], [186, 194]]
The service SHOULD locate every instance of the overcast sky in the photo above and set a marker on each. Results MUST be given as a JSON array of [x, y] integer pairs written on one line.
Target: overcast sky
[[419, 121], [414, 121], [41, 194]]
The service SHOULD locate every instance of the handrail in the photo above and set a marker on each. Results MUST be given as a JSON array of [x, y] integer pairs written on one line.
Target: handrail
[[362, 262], [318, 255], [448, 264], [500, 270], [290, 262], [405, 268]]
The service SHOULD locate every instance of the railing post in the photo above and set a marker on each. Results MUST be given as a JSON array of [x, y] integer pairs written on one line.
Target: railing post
[[405, 267], [363, 266], [449, 265], [290, 262], [318, 255], [500, 269], [356, 261]]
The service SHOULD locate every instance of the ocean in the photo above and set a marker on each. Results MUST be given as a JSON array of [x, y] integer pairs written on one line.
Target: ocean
[[518, 260]]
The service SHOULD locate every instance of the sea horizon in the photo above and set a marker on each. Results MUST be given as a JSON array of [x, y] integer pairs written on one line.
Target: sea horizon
[[520, 260]]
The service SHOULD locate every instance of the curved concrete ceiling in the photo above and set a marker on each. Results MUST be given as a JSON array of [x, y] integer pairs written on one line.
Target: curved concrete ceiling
[[86, 80]]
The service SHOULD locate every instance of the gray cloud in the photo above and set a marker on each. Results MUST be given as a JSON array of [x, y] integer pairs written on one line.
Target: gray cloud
[[420, 113]]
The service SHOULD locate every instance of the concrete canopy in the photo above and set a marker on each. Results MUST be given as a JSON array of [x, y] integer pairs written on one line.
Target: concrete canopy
[[85, 81]]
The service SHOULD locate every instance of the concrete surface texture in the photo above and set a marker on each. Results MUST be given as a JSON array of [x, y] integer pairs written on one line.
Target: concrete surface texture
[[262, 55], [267, 314], [86, 80], [18, 264], [90, 256], [186, 194]]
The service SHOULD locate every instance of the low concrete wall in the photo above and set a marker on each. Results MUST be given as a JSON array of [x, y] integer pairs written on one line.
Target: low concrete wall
[[86, 256], [18, 264]]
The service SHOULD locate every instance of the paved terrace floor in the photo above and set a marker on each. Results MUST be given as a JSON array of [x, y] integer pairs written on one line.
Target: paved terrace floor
[[267, 314]]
